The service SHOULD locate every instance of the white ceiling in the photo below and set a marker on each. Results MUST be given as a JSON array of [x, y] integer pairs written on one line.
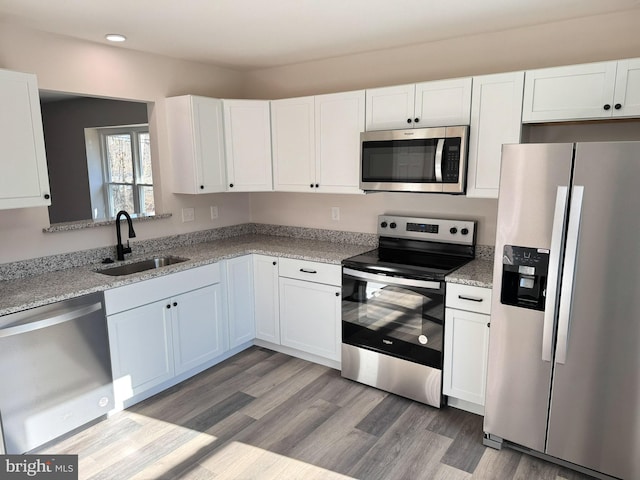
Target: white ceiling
[[251, 34]]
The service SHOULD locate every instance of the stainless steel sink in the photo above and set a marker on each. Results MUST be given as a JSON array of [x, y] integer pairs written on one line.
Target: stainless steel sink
[[141, 266]]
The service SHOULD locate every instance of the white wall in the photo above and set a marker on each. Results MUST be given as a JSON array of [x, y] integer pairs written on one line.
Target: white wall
[[359, 213], [65, 64]]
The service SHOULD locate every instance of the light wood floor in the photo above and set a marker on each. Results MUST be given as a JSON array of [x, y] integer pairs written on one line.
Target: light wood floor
[[265, 415]]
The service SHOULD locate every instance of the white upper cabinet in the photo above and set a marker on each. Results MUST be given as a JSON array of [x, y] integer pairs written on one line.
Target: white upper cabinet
[[390, 108], [247, 134], [627, 91], [577, 92], [25, 180], [293, 137], [339, 120], [496, 116], [438, 103], [443, 103], [196, 142], [316, 142]]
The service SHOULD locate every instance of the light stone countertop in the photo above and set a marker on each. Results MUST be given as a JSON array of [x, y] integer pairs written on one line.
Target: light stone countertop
[[34, 291], [478, 273]]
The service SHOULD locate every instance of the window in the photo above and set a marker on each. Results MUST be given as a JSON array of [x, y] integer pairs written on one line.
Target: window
[[126, 158]]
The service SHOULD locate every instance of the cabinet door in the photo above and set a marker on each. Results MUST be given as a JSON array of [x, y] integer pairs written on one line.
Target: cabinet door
[[247, 134], [496, 112], [310, 317], [390, 108], [626, 102], [141, 348], [443, 103], [293, 138], [569, 93], [196, 140], [242, 327], [25, 180], [266, 297], [466, 347], [199, 327], [339, 120]]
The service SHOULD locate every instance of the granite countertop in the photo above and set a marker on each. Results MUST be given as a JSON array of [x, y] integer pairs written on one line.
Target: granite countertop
[[478, 273], [34, 291]]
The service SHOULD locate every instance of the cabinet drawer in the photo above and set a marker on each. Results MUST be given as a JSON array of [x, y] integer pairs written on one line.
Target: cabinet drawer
[[468, 297], [311, 271]]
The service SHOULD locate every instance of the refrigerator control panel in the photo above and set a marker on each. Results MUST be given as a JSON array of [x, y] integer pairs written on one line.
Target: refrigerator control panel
[[524, 276]]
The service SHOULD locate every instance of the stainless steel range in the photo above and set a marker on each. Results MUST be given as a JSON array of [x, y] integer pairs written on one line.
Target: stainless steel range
[[393, 304]]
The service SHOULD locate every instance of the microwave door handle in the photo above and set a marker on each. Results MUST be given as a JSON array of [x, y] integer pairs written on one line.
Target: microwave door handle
[[386, 279], [439, 149]]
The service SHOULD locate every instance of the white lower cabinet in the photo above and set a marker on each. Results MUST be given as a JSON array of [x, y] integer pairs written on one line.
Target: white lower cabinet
[[165, 327], [198, 322], [266, 298], [298, 308], [466, 346], [141, 349], [240, 305], [310, 317]]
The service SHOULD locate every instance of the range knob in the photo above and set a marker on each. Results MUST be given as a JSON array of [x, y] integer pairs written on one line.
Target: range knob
[[393, 225], [453, 230], [383, 224], [464, 231]]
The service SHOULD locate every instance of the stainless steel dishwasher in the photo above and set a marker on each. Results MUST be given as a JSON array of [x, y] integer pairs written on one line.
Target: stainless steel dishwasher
[[55, 371]]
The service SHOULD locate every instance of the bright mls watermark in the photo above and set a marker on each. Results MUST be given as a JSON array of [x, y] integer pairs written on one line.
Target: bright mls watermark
[[51, 467]]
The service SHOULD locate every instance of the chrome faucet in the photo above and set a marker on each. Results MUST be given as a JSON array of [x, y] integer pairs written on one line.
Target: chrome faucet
[[121, 249]]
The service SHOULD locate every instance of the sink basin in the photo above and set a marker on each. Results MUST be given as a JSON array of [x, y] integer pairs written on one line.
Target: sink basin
[[141, 266]]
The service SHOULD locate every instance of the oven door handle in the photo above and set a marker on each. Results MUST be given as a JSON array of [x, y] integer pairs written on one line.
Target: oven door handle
[[379, 278]]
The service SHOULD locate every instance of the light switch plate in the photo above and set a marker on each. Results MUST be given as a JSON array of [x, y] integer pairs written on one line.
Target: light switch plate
[[214, 212], [335, 213]]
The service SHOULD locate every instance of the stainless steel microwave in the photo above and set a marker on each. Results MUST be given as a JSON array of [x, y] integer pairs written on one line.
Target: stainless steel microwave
[[415, 160]]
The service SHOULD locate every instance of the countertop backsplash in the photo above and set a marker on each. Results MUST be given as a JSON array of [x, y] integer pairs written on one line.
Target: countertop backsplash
[[53, 263]]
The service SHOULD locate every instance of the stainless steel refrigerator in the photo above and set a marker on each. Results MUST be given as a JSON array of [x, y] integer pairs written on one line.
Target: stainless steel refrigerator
[[564, 349]]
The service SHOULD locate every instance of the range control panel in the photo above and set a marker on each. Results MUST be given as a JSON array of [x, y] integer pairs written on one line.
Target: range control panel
[[433, 229]]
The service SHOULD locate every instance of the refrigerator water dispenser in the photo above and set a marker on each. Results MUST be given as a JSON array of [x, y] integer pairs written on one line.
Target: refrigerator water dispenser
[[524, 276]]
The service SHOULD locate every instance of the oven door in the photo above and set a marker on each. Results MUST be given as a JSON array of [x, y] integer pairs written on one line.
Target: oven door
[[397, 316]]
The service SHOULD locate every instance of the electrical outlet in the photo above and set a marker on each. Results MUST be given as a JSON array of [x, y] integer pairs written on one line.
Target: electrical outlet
[[188, 215], [335, 213], [214, 212]]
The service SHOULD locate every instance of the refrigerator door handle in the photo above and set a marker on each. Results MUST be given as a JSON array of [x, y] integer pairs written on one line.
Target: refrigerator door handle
[[554, 272], [568, 274]]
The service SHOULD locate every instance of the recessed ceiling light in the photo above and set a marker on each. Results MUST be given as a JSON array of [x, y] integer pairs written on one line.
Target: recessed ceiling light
[[115, 37]]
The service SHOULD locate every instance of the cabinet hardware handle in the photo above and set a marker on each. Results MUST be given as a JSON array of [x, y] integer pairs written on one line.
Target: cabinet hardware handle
[[607, 106], [306, 270], [416, 120], [275, 263], [618, 106], [311, 185], [317, 185], [409, 120], [201, 187], [47, 196], [175, 304], [231, 185], [488, 325], [471, 299], [337, 294], [168, 305]]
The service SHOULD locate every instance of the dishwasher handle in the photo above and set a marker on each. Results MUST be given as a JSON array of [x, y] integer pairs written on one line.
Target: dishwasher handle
[[51, 321]]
